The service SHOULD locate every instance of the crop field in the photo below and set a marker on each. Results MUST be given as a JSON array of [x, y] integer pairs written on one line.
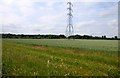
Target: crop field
[[59, 57]]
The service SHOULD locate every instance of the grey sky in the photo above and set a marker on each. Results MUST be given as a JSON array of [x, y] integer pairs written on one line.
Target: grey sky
[[44, 17]]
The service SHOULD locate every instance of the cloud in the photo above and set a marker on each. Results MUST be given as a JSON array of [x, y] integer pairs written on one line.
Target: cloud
[[111, 11], [85, 27], [85, 23], [93, 0], [44, 16], [113, 23]]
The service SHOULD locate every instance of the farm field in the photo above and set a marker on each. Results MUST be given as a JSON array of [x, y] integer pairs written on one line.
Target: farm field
[[59, 57]]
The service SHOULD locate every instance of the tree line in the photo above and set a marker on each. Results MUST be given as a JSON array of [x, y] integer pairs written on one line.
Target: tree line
[[61, 36]]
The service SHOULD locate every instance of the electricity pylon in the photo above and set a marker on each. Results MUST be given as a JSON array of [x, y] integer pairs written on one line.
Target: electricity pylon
[[69, 29]]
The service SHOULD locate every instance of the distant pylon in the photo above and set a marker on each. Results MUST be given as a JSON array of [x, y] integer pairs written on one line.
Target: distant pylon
[[69, 29]]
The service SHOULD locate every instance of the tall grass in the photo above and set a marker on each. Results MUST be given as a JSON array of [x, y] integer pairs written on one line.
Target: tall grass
[[26, 58], [100, 45]]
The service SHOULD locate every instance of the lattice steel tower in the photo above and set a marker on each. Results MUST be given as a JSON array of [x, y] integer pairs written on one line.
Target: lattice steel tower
[[69, 29]]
